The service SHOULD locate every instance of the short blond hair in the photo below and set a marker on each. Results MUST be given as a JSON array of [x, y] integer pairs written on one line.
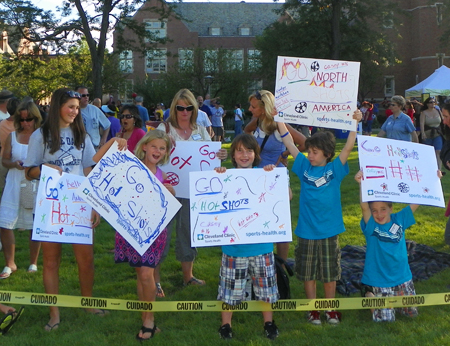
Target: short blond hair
[[150, 136]]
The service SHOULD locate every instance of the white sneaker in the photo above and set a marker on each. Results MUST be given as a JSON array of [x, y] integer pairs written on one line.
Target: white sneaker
[[313, 317], [333, 317]]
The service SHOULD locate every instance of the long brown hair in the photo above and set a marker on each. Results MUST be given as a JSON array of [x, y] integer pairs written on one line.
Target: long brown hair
[[51, 131]]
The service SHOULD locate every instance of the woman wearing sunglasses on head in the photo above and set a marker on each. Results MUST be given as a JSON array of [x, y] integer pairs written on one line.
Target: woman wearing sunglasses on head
[[398, 125], [131, 126], [62, 144], [182, 126], [13, 214]]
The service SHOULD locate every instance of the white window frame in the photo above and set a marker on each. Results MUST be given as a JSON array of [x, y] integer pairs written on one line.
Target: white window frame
[[126, 61], [244, 31], [253, 61], [156, 61], [389, 86], [185, 58], [157, 27]]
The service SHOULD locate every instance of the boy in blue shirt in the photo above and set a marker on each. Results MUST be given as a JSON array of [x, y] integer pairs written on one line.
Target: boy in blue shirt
[[386, 269], [317, 254]]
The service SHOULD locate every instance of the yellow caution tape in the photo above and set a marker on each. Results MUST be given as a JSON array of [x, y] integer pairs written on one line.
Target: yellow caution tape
[[26, 298]]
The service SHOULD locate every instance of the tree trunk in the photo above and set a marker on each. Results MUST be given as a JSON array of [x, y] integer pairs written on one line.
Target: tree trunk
[[335, 29]]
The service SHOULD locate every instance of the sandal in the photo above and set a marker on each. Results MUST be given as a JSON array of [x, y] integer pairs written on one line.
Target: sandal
[[159, 290], [32, 268], [194, 282], [15, 316], [6, 273], [6, 321], [152, 332]]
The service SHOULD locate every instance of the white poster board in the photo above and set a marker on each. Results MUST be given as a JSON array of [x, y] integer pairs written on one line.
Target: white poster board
[[190, 156], [317, 92], [399, 171], [61, 216], [129, 197], [240, 206]]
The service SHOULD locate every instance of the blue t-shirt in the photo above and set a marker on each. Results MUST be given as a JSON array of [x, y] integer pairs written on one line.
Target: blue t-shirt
[[386, 257], [272, 149], [399, 128], [320, 213], [143, 112], [206, 109]]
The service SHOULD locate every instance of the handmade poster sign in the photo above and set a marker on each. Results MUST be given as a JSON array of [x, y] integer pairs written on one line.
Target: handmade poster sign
[[316, 92], [61, 216], [190, 156], [129, 197], [399, 171], [240, 206]]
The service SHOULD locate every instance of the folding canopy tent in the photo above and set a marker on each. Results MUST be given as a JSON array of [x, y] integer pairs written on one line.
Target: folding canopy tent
[[436, 84]]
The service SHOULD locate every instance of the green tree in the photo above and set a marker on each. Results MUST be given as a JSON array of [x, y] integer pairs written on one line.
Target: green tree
[[333, 29], [76, 19]]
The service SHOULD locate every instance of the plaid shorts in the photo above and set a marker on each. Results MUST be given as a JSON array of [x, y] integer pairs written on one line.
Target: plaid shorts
[[235, 276], [318, 259], [388, 315]]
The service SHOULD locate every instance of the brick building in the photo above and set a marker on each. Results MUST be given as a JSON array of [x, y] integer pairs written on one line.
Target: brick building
[[208, 25], [234, 26], [418, 47]]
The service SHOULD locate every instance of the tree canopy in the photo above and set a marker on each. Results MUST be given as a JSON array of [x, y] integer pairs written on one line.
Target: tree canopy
[[91, 20], [333, 29]]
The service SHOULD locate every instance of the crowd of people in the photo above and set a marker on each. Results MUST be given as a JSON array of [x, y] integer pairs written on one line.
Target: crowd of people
[[72, 135]]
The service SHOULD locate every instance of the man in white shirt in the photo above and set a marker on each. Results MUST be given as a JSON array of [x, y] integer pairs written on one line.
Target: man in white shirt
[[93, 119], [203, 120]]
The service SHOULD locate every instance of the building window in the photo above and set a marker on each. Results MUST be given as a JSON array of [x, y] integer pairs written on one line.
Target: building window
[[126, 61], [389, 86], [254, 60], [256, 84], [126, 91], [185, 58], [237, 59], [156, 61], [388, 20], [157, 29], [210, 60], [215, 31], [244, 31]]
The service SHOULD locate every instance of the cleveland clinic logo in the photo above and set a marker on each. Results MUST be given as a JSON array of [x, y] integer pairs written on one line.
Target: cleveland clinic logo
[[199, 236], [86, 191], [370, 192]]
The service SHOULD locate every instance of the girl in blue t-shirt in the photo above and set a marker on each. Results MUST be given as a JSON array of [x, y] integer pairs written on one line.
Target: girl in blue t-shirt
[[247, 261]]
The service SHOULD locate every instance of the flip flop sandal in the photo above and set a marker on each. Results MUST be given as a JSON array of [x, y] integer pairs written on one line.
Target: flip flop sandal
[[6, 273], [159, 290], [32, 268], [5, 322], [16, 316], [144, 330], [195, 282]]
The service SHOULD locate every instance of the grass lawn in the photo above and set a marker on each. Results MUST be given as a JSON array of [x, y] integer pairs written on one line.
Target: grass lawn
[[197, 328]]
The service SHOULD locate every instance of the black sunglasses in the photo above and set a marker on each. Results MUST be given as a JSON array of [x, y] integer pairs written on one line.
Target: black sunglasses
[[84, 95], [27, 120], [258, 96], [126, 116], [73, 94], [181, 108]]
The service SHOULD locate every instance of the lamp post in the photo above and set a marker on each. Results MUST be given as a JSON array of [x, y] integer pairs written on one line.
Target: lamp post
[[208, 80]]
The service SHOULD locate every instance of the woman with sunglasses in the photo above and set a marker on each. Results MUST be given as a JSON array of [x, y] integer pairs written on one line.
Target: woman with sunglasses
[[131, 126], [430, 126], [62, 144], [13, 215], [182, 126], [398, 125], [265, 130]]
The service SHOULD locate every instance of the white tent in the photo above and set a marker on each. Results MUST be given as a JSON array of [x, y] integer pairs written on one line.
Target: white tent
[[436, 84]]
